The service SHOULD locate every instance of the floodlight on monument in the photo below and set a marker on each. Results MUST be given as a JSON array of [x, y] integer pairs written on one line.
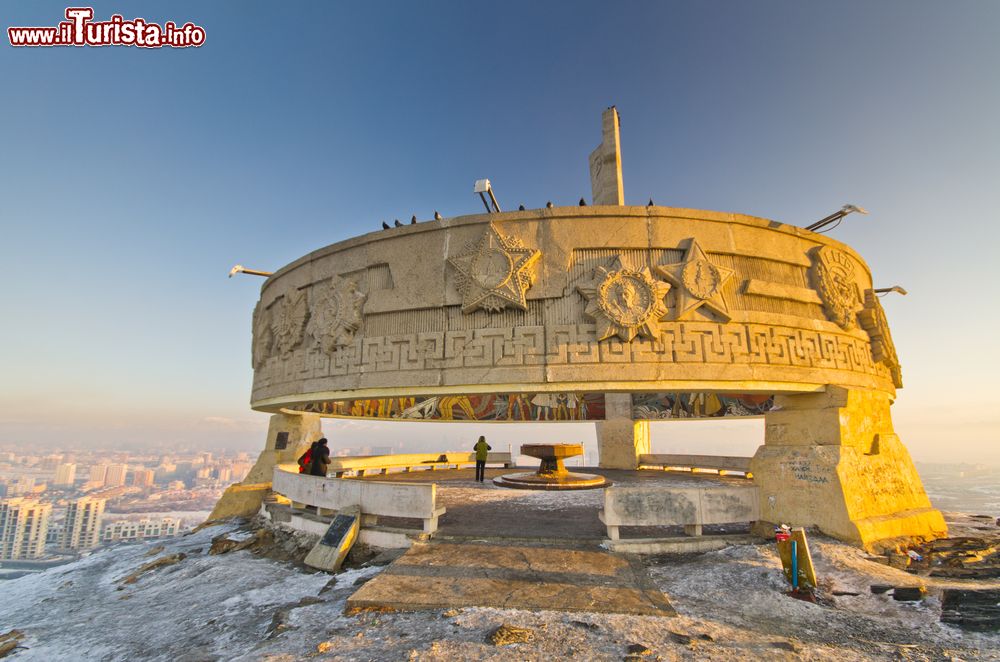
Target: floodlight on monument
[[483, 188], [240, 269], [835, 218], [898, 289]]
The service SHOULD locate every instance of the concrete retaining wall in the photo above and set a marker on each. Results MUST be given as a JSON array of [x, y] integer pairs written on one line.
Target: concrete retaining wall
[[414, 500]]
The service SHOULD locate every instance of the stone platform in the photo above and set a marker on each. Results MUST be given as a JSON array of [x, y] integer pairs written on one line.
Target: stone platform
[[444, 575], [484, 510]]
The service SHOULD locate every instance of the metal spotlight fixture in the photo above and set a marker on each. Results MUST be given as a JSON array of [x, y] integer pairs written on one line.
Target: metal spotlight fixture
[[898, 289], [240, 269], [835, 218], [483, 188]]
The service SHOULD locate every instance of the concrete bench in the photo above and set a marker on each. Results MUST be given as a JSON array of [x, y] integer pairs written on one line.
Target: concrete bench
[[690, 507], [720, 464], [330, 495], [408, 462]]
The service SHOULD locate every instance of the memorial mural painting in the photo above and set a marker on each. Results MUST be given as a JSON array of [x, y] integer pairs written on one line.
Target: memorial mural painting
[[659, 406], [472, 407]]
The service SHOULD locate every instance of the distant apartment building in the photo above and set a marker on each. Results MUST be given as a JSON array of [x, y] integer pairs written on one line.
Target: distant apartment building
[[24, 524], [26, 486], [98, 474], [116, 475], [55, 535], [124, 530], [50, 462], [143, 477], [65, 475], [82, 529]]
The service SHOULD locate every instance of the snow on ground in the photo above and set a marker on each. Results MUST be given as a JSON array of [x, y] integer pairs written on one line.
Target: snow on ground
[[730, 603]]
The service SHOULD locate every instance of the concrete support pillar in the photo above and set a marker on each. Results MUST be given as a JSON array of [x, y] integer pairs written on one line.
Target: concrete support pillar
[[620, 440], [832, 461], [288, 436]]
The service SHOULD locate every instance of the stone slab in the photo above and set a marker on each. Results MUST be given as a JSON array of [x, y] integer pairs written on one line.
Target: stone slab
[[446, 575], [331, 550]]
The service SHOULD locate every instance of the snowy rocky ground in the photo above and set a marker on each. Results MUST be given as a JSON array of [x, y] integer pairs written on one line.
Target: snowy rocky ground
[[238, 606]]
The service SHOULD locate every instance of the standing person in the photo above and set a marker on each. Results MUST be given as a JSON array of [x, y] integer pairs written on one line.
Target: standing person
[[320, 459], [481, 449]]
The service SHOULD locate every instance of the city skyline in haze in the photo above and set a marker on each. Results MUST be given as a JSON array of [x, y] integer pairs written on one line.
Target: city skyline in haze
[[133, 180]]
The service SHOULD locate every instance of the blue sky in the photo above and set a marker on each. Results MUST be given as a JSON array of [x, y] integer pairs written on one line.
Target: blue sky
[[131, 180]]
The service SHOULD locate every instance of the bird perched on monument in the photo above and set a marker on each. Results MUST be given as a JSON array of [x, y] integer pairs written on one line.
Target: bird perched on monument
[[437, 216], [385, 226], [583, 203], [650, 203], [413, 220], [398, 224], [520, 207], [548, 205]]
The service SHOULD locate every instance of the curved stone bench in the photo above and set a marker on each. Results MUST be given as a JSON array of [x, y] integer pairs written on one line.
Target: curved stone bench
[[718, 463], [408, 462]]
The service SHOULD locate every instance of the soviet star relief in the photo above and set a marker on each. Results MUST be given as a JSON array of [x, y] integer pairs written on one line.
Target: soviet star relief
[[699, 283], [494, 272], [625, 302]]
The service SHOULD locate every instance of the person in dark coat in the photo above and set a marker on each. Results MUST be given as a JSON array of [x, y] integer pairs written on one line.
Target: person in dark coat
[[320, 459], [481, 449]]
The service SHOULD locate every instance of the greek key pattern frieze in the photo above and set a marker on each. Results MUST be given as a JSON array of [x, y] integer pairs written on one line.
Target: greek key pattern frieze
[[577, 344]]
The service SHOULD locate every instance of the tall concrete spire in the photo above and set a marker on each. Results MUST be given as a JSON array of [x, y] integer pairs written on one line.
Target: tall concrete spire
[[606, 163]]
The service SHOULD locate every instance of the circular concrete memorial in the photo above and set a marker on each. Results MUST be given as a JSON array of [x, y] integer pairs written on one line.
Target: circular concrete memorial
[[612, 314], [552, 473]]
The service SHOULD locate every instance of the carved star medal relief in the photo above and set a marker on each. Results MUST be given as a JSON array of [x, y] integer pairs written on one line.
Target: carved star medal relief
[[336, 313], [494, 272], [625, 302], [263, 336], [873, 321], [699, 283], [289, 322], [833, 274]]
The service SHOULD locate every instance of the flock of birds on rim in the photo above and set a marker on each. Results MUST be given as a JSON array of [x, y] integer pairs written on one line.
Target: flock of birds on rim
[[437, 216]]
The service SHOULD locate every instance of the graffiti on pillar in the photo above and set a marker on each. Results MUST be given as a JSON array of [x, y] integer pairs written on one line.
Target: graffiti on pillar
[[660, 406], [513, 407]]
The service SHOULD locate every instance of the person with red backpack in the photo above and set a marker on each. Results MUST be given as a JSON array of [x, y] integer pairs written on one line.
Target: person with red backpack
[[306, 459]]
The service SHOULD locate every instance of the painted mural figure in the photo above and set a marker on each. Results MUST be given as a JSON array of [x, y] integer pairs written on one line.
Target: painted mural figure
[[447, 404]]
